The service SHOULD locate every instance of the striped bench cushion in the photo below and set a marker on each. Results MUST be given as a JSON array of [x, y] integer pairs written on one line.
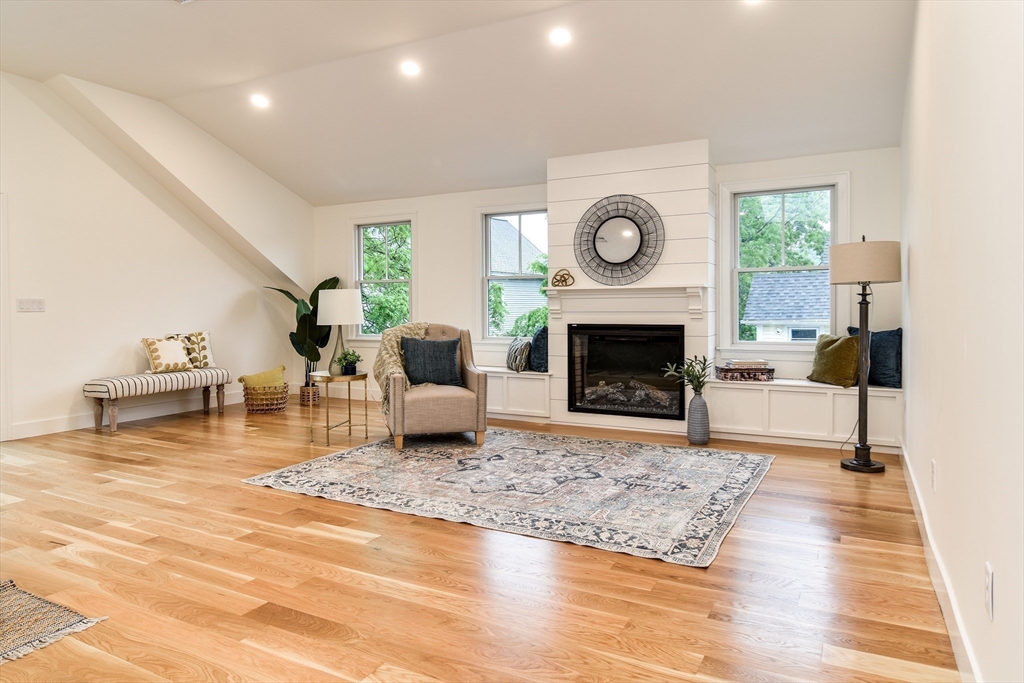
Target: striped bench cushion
[[140, 385]]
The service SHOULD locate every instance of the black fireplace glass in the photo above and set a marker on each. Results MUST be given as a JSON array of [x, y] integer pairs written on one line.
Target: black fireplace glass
[[619, 370]]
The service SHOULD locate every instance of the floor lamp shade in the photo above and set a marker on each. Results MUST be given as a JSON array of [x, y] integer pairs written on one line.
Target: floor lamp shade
[[862, 263], [855, 262], [339, 307]]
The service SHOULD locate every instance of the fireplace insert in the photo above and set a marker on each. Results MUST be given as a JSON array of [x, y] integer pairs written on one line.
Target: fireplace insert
[[619, 370]]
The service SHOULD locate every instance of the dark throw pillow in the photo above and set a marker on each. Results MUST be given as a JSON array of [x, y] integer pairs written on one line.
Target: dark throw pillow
[[430, 361], [518, 357], [835, 361], [886, 356], [539, 350]]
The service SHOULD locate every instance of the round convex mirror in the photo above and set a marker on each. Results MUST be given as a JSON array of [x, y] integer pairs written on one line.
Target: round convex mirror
[[617, 240]]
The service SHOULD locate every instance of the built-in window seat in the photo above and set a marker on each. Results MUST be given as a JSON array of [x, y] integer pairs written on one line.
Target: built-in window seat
[[517, 394], [795, 409]]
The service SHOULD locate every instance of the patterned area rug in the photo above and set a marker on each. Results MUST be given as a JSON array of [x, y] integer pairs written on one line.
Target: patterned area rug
[[28, 622], [673, 503]]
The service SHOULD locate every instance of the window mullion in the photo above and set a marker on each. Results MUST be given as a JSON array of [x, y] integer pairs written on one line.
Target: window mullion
[[783, 229]]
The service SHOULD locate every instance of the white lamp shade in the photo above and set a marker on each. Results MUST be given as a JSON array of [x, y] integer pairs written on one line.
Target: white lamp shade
[[339, 307], [855, 262]]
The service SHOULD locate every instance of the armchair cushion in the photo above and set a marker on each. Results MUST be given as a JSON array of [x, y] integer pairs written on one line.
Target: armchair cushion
[[439, 409], [432, 362]]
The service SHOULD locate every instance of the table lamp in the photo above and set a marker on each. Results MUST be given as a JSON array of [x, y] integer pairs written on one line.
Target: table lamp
[[863, 263], [339, 307]]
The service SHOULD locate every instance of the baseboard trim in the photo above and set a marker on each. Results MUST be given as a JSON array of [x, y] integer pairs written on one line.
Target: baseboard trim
[[966, 662], [126, 413]]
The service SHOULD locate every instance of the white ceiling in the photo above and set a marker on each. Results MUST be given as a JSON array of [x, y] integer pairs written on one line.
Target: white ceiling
[[495, 99]]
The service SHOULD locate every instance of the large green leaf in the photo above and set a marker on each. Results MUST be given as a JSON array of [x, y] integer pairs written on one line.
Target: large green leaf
[[312, 352], [301, 309], [329, 283], [300, 347], [325, 335]]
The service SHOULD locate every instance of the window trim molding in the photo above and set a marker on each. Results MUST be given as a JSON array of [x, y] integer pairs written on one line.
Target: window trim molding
[[727, 328], [483, 213], [354, 333]]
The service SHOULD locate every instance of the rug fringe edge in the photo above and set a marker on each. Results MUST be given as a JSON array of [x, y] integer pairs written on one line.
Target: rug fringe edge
[[40, 643]]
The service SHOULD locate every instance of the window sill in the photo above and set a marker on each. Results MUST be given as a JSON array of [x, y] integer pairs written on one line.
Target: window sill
[[768, 352]]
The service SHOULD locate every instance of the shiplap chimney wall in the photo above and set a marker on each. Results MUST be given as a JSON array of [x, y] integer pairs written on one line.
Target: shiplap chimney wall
[[679, 181]]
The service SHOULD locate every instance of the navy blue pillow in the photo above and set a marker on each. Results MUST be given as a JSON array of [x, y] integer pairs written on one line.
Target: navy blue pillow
[[886, 357], [539, 350], [433, 361]]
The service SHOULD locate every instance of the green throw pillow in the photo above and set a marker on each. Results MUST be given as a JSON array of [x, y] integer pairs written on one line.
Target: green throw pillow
[[267, 378], [835, 361]]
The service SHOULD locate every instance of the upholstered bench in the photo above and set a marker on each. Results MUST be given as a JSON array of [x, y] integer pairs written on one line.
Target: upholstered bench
[[113, 388]]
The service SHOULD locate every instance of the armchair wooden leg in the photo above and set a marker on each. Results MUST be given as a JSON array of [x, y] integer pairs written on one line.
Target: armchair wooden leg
[[399, 441], [480, 438]]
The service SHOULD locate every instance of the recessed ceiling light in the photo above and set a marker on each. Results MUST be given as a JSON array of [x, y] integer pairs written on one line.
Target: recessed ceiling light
[[560, 36], [410, 68], [260, 101]]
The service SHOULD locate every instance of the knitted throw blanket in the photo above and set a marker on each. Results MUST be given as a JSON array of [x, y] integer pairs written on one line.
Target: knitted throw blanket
[[389, 358]]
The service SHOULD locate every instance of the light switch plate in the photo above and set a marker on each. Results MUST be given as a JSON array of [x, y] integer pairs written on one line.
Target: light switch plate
[[31, 305]]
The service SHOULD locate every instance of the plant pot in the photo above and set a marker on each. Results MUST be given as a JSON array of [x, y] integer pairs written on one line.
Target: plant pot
[[309, 396], [348, 369], [698, 427]]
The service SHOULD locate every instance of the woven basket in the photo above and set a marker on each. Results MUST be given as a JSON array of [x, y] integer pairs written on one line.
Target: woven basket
[[265, 399]]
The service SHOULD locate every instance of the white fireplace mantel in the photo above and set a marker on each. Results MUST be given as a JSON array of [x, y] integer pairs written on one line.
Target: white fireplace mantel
[[695, 294]]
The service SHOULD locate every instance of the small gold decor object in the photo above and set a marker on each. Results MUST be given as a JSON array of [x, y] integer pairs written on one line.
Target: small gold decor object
[[563, 278]]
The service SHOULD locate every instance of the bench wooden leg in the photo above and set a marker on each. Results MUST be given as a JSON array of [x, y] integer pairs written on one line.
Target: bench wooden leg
[[206, 399], [399, 441], [480, 438], [97, 411], [112, 410], [220, 399]]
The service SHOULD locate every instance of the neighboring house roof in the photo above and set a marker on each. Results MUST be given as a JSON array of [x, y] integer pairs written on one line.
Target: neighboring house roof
[[505, 249], [792, 295]]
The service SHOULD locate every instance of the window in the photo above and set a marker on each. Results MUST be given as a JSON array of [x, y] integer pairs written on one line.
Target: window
[[781, 267], [385, 273], [517, 270], [796, 334]]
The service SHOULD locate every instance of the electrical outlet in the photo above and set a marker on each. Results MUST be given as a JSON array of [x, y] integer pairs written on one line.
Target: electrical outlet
[[990, 590], [31, 305], [935, 477]]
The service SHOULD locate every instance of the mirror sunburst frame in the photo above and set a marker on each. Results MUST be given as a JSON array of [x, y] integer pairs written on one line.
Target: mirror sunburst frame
[[652, 240]]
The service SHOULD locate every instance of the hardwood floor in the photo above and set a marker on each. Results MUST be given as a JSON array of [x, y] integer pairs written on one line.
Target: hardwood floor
[[205, 578]]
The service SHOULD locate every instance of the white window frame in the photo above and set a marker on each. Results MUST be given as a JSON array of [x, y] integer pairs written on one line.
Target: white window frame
[[487, 277], [357, 281], [728, 259]]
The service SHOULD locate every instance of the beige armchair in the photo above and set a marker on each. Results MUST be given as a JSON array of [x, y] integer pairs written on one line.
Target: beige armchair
[[441, 409]]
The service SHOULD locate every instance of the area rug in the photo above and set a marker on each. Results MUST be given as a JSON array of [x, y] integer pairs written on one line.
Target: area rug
[[671, 503], [28, 622]]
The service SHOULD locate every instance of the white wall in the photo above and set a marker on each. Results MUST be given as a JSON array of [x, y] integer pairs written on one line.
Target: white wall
[[265, 221], [874, 212], [963, 367], [117, 259], [447, 238]]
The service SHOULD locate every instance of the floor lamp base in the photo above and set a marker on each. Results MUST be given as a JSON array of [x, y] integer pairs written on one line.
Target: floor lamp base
[[863, 461]]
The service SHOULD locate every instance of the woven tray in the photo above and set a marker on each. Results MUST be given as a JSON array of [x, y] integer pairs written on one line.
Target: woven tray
[[266, 399]]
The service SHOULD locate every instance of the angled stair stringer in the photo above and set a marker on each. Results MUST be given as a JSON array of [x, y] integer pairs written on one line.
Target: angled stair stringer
[[269, 225]]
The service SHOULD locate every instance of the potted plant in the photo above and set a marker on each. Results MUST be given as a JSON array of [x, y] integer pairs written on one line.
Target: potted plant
[[347, 360], [308, 337], [693, 372]]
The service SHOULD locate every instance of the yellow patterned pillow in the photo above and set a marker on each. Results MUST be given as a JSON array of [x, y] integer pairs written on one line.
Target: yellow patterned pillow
[[197, 346], [166, 355]]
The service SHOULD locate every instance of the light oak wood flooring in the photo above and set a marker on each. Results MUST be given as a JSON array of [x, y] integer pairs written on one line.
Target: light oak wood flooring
[[205, 578]]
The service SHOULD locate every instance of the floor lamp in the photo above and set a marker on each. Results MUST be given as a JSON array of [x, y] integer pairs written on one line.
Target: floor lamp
[[339, 307], [863, 263]]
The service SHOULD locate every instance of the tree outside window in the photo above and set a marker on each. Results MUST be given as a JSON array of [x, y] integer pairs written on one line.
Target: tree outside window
[[517, 269], [385, 275], [782, 274]]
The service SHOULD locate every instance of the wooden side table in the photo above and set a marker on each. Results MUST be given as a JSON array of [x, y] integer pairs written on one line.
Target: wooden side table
[[327, 379]]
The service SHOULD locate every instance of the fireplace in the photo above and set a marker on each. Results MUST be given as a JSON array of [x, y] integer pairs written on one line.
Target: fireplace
[[618, 370]]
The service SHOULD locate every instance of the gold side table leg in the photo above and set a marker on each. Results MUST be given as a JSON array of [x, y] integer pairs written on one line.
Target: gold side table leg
[[310, 420], [327, 403], [366, 413], [349, 408]]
